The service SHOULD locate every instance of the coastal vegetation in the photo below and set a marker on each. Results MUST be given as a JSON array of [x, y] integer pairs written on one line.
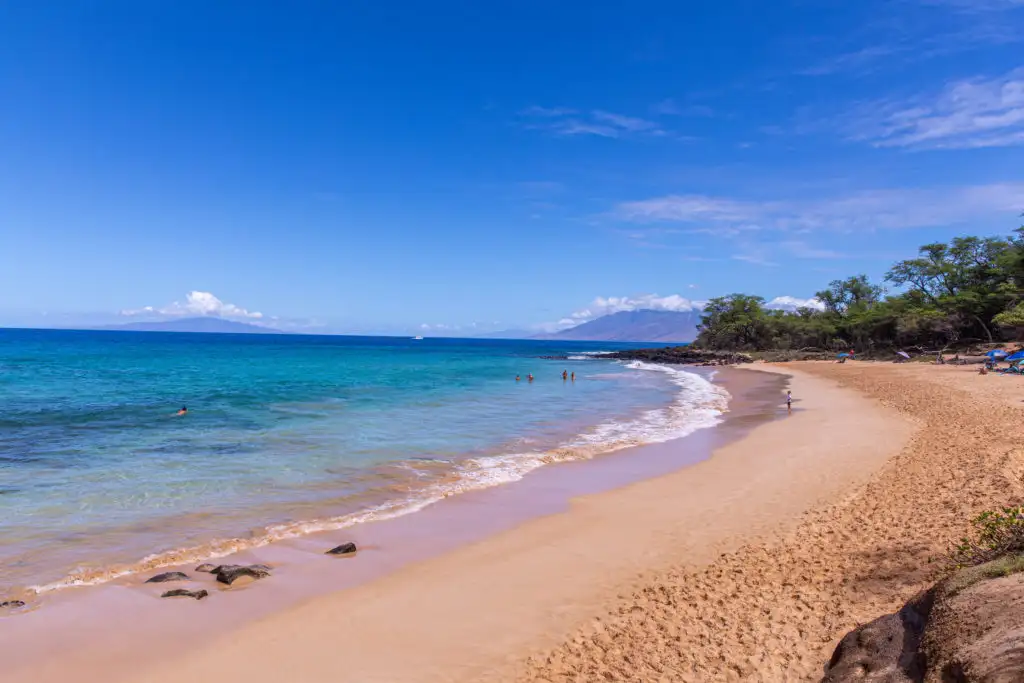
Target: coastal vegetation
[[965, 291]]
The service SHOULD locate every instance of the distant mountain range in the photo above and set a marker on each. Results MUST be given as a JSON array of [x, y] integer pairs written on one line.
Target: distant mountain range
[[635, 326], [207, 324]]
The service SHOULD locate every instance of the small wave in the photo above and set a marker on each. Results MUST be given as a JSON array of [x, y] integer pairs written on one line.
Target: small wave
[[697, 405]]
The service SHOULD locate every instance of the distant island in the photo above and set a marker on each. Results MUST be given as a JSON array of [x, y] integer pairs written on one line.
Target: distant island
[[207, 324], [644, 325]]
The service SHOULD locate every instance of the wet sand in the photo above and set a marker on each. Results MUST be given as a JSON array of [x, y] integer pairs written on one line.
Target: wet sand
[[472, 611]]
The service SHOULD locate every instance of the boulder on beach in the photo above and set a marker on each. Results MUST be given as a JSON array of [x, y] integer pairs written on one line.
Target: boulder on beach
[[183, 593], [968, 628], [168, 576], [206, 567], [11, 604], [343, 549], [230, 573]]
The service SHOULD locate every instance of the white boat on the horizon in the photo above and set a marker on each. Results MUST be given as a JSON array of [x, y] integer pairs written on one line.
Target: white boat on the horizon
[[417, 338]]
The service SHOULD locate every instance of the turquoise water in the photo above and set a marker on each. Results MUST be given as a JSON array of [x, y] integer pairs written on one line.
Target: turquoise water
[[285, 434]]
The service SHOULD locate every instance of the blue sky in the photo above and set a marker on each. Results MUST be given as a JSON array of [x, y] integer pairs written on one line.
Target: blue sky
[[472, 166]]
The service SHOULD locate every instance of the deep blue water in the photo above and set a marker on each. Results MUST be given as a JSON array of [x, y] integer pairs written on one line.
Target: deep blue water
[[96, 468]]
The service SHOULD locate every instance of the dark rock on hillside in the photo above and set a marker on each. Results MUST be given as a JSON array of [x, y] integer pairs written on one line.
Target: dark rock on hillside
[[229, 573], [182, 593], [12, 604], [168, 576], [966, 629], [886, 650], [343, 549], [680, 355], [206, 567]]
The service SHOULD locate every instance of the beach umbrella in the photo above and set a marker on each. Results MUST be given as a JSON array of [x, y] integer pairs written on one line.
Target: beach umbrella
[[903, 354], [842, 355], [996, 353], [1017, 356]]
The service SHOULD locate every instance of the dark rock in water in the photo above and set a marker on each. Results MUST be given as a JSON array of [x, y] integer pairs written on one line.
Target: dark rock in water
[[12, 603], [343, 549], [182, 593], [680, 355], [968, 628], [232, 572], [168, 576], [207, 567], [553, 357]]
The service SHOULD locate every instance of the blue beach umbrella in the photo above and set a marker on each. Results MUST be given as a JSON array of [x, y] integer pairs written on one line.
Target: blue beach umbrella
[[1017, 356], [842, 355], [996, 353]]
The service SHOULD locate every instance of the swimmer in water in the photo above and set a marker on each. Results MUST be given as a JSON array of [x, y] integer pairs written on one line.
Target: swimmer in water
[[529, 378], [565, 375], [182, 411], [517, 378], [574, 377]]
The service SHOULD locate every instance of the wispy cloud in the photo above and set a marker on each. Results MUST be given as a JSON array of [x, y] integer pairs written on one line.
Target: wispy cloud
[[862, 211], [754, 257], [195, 304], [670, 107], [859, 61], [801, 249], [973, 6], [972, 113], [570, 122]]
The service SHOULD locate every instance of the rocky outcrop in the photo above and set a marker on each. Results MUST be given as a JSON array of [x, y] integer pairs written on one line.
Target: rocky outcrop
[[182, 593], [12, 604], [343, 549], [968, 628], [168, 576], [206, 567], [680, 355], [230, 573]]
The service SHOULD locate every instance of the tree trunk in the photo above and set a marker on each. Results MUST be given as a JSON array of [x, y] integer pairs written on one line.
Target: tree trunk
[[988, 332]]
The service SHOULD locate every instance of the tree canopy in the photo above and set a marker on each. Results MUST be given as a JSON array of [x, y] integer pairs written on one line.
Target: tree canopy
[[969, 289]]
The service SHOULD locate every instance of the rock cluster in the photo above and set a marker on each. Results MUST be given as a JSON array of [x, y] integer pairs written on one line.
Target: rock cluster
[[968, 628]]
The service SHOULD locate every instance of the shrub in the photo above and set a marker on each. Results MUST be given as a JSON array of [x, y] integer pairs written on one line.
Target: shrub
[[994, 534]]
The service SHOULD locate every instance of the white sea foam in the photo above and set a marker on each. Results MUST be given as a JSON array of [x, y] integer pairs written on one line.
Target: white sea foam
[[698, 404]]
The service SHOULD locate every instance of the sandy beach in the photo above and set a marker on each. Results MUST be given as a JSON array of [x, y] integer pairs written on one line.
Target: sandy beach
[[746, 566]]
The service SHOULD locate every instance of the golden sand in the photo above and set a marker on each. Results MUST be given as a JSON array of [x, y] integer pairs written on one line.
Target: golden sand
[[773, 612], [827, 519]]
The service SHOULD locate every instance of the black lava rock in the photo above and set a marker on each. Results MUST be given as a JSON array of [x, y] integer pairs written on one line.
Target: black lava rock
[[229, 573], [343, 549], [168, 576], [182, 593]]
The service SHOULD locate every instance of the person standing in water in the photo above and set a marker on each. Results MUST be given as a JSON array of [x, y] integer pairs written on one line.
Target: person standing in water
[[517, 378], [529, 378], [574, 377], [565, 375]]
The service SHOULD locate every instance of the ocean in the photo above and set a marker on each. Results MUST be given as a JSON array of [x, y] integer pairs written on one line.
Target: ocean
[[286, 434]]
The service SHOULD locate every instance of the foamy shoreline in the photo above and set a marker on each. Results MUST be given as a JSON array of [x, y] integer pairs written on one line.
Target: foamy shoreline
[[699, 404], [508, 509]]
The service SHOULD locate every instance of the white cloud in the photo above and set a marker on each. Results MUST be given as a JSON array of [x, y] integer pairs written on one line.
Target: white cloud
[[196, 304], [567, 122], [862, 211], [971, 113], [792, 303]]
